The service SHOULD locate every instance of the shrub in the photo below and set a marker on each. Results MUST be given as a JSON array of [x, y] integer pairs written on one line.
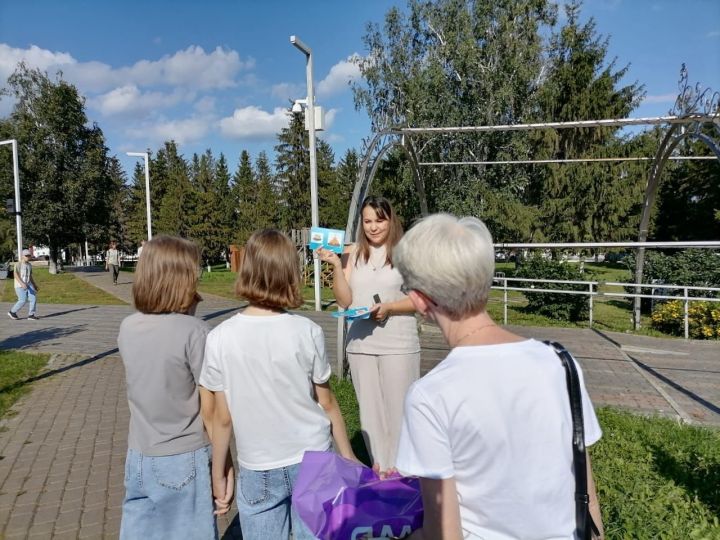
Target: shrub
[[703, 319], [692, 267], [572, 307]]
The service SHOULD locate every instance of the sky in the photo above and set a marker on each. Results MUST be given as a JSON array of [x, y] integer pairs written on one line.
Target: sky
[[220, 74]]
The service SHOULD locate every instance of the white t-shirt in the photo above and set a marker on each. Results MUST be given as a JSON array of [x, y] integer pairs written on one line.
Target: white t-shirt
[[497, 419], [266, 365]]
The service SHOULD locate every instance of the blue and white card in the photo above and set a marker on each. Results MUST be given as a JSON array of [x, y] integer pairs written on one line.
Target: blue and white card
[[353, 313], [332, 239]]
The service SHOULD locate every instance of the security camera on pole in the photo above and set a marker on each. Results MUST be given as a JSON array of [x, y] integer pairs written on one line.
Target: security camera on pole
[[311, 124]]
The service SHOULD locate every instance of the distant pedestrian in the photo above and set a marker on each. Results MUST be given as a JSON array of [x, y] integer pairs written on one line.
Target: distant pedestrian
[[140, 249], [112, 261], [25, 287]]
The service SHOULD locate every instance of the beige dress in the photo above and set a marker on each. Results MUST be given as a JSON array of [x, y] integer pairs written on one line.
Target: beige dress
[[384, 357]]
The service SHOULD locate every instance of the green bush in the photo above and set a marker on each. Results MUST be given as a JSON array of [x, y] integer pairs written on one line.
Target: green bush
[[692, 267], [703, 319], [571, 307]]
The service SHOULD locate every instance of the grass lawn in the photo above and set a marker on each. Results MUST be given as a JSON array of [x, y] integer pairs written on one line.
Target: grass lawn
[[16, 367], [221, 282], [609, 313], [655, 478], [62, 288]]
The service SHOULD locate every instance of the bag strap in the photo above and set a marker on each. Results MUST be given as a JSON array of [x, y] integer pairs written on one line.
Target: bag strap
[[584, 522]]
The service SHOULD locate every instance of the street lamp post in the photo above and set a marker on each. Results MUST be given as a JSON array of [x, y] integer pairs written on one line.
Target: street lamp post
[[147, 188], [16, 175], [310, 111]]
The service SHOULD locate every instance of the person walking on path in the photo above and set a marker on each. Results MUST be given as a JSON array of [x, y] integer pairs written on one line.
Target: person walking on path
[[384, 351], [25, 287], [112, 261]]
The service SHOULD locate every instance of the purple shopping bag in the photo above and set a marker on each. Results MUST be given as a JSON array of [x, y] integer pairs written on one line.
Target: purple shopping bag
[[339, 499]]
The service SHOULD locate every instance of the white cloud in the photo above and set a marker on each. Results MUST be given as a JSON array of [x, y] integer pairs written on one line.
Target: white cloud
[[254, 123], [285, 91], [34, 57], [339, 77], [190, 68], [330, 115], [129, 99], [663, 98], [205, 105], [182, 131]]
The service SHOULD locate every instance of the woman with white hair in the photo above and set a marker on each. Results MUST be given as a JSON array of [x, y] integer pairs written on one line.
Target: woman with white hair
[[489, 430]]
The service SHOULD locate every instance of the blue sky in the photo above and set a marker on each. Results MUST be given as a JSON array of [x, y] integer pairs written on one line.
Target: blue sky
[[217, 74]]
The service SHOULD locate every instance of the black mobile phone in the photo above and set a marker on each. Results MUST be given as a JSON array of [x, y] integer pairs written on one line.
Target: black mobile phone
[[376, 299]]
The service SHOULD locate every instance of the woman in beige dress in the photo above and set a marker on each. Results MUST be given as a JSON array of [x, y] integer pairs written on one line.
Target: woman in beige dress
[[384, 350]]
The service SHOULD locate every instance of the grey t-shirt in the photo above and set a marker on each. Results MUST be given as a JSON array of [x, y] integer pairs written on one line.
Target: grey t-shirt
[[163, 357]]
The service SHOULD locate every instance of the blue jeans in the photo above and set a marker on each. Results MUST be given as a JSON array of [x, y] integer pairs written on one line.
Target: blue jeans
[[168, 497], [23, 296], [264, 509]]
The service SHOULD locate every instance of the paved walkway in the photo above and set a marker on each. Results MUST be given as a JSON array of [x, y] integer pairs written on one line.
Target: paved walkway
[[62, 452]]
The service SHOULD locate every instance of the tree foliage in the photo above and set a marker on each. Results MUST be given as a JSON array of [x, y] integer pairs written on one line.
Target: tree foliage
[[66, 174]]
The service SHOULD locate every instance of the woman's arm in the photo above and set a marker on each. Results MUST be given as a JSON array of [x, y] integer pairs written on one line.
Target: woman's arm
[[326, 398], [222, 472], [341, 274], [442, 511], [207, 409]]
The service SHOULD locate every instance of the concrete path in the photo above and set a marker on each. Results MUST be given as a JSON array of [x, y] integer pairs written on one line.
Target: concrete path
[[62, 453]]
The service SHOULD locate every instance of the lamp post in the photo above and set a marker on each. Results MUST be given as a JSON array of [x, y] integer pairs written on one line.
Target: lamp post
[[310, 111], [16, 175], [147, 188]]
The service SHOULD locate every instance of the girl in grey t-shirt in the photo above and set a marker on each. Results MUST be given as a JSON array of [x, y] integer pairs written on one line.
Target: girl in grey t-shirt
[[167, 472]]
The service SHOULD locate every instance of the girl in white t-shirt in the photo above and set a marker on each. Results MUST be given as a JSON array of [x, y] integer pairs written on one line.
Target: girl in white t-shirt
[[270, 375]]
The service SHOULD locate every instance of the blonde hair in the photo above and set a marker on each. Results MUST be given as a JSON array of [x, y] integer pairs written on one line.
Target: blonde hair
[[269, 273], [166, 276], [383, 210]]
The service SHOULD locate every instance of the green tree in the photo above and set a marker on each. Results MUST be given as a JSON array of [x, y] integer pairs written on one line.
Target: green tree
[[292, 166], [455, 63], [174, 211], [266, 198], [207, 216], [63, 162], [689, 197], [587, 201], [243, 193], [338, 205]]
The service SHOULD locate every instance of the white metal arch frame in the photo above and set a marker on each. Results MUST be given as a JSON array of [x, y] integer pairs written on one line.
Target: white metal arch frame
[[687, 124]]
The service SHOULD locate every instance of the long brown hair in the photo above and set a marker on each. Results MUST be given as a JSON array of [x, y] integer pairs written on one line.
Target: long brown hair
[[269, 274], [383, 210], [166, 276]]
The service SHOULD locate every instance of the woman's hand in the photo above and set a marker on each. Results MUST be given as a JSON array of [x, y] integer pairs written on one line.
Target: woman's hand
[[380, 311], [325, 255], [223, 491]]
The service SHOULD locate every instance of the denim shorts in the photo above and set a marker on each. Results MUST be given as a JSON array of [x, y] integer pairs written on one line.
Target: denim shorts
[[168, 497], [263, 501]]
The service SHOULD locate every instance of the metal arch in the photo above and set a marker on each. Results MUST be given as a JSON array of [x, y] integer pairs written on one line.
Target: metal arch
[[364, 181], [667, 146]]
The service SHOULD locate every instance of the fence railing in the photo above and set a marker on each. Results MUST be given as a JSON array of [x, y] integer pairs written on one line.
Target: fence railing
[[592, 292]]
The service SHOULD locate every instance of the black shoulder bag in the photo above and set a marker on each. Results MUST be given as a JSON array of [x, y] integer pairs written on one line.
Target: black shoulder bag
[[586, 528]]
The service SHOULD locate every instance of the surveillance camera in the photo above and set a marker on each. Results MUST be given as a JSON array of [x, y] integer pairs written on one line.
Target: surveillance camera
[[297, 108]]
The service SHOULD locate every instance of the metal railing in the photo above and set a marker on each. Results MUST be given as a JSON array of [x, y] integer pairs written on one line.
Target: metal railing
[[593, 292]]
